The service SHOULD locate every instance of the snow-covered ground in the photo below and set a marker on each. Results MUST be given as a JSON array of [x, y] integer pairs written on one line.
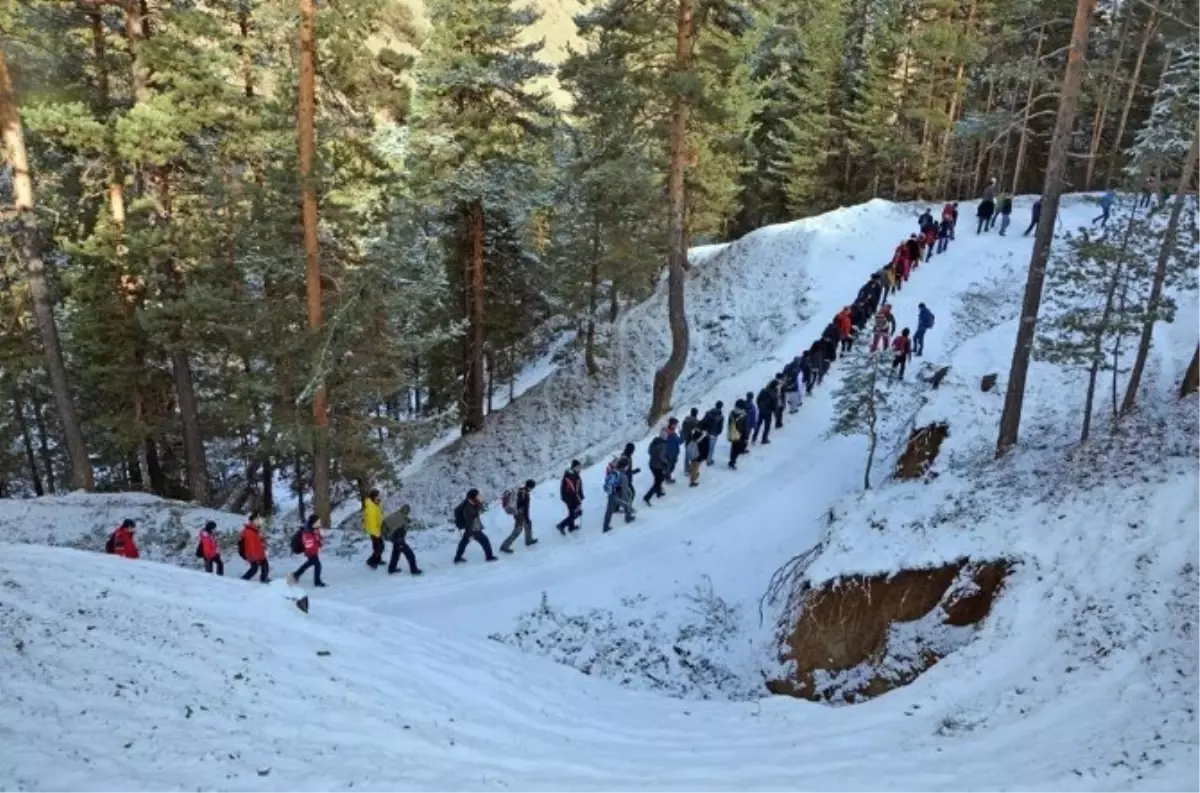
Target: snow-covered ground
[[142, 676]]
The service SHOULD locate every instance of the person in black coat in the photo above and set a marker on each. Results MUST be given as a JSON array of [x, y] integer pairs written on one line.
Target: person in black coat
[[570, 490], [831, 337], [714, 425], [767, 401], [983, 214], [660, 463], [466, 518]]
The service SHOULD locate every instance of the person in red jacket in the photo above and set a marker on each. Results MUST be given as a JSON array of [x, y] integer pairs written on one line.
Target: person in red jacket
[[121, 542], [254, 551], [901, 352], [845, 328], [310, 539], [210, 549]]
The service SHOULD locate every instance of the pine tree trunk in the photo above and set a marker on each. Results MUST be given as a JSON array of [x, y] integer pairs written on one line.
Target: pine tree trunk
[[475, 282], [266, 505], [39, 421], [589, 332], [984, 148], [1102, 108], [1111, 301], [677, 243], [1037, 57], [116, 208], [1165, 252], [306, 122], [1010, 419], [181, 367], [298, 477], [29, 245], [1191, 378], [1115, 154], [872, 422], [18, 403]]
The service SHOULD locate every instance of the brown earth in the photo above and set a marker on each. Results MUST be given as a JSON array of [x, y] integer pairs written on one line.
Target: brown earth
[[846, 622], [923, 446]]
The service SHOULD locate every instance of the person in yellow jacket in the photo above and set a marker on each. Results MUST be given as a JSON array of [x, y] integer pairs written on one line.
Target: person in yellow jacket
[[373, 525]]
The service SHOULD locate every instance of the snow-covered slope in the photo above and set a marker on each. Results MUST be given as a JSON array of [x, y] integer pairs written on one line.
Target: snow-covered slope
[[743, 300], [143, 676]]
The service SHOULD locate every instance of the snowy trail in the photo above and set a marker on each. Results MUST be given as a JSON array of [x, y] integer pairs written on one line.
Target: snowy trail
[[737, 526], [142, 676]]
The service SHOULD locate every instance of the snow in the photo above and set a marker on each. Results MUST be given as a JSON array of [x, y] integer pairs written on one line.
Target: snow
[[1085, 676]]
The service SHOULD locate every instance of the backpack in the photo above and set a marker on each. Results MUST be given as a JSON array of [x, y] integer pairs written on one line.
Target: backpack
[[297, 542], [460, 518], [612, 480], [199, 549], [242, 547], [111, 545], [508, 502]]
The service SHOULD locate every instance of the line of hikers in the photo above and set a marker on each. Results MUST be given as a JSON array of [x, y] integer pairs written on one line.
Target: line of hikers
[[695, 438], [990, 208]]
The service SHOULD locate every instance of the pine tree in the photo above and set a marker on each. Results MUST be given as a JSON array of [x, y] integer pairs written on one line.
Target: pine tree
[[860, 401], [475, 108], [1084, 323]]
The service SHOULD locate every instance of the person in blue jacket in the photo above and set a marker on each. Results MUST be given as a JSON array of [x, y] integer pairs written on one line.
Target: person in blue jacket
[[1106, 202], [1035, 216], [751, 413], [924, 323]]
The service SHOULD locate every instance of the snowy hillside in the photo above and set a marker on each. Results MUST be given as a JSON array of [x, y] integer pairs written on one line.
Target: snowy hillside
[[743, 300], [584, 662]]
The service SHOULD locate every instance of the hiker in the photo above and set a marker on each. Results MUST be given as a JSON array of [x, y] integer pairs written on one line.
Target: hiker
[[832, 338], [252, 548], [902, 352], [737, 432], [627, 456], [698, 448], [466, 518], [925, 220], [620, 494], [845, 328], [521, 521], [930, 239], [209, 549], [121, 542], [1149, 188], [984, 212], [396, 526], [372, 517], [570, 490], [309, 543], [912, 248], [885, 326], [944, 233], [791, 385], [1035, 215], [690, 422], [776, 386], [806, 370], [924, 323], [714, 421], [674, 446], [659, 462], [1005, 212], [765, 401], [751, 408], [1106, 203]]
